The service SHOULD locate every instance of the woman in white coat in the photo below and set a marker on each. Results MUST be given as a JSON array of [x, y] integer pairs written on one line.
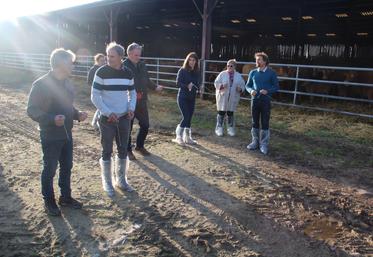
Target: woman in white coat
[[228, 84]]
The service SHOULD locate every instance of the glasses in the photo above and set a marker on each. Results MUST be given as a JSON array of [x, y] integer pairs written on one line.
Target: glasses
[[230, 66]]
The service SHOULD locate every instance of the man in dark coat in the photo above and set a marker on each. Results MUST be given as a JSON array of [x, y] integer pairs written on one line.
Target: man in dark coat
[[51, 105], [142, 84]]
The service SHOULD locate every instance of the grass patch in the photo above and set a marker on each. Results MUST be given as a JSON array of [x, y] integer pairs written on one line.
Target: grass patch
[[321, 133], [325, 152], [292, 147], [280, 125], [298, 135]]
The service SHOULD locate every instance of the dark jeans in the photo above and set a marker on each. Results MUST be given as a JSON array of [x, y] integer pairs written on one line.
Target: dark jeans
[[222, 113], [54, 152], [186, 107], [118, 130], [260, 111], [142, 115]]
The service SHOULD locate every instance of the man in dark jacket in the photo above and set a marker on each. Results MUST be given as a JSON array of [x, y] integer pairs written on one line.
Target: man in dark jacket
[[100, 60], [142, 84], [51, 105]]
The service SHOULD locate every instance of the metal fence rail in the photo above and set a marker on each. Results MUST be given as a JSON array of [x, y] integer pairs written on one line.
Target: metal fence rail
[[301, 86]]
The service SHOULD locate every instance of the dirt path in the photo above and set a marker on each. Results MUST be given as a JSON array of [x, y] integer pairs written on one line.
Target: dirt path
[[214, 199]]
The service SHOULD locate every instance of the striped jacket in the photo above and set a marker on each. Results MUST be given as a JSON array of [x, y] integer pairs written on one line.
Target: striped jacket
[[113, 91]]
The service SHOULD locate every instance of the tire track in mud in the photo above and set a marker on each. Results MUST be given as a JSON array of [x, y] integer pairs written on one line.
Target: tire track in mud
[[207, 228], [186, 196], [195, 235], [190, 200], [352, 215], [83, 152]]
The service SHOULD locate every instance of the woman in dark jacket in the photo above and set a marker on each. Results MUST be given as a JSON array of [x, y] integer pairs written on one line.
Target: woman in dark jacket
[[188, 80]]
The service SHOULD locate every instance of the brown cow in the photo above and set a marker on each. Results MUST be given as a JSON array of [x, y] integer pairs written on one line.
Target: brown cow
[[315, 87], [284, 83], [367, 78]]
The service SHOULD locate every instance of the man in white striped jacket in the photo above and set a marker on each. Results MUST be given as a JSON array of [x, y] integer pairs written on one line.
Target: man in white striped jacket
[[114, 95]]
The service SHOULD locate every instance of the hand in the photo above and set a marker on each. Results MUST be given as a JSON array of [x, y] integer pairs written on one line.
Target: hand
[[130, 115], [238, 89], [253, 92], [190, 86], [82, 116], [159, 88], [112, 118], [263, 92], [59, 120]]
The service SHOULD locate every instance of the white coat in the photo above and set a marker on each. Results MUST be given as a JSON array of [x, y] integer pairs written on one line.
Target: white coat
[[227, 99]]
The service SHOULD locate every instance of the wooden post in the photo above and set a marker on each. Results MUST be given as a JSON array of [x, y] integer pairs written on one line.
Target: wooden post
[[208, 7], [112, 19]]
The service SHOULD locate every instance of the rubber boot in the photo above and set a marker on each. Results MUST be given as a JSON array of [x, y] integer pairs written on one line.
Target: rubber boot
[[121, 170], [255, 139], [219, 125], [179, 135], [106, 177], [264, 141], [187, 137], [231, 126]]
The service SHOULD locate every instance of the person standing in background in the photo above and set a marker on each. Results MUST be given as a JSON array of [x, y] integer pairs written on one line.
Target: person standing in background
[[99, 60], [188, 80], [142, 85], [261, 84], [229, 84]]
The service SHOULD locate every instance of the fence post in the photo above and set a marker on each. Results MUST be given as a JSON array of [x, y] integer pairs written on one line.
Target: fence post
[[202, 86], [296, 86], [45, 59], [157, 71], [87, 65]]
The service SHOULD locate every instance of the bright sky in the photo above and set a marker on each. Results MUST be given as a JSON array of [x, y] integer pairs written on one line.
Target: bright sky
[[11, 9]]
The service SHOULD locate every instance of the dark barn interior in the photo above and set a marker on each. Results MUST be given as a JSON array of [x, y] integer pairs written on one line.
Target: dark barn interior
[[325, 32]]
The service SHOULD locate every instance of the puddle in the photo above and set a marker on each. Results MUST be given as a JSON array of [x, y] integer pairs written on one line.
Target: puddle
[[326, 229]]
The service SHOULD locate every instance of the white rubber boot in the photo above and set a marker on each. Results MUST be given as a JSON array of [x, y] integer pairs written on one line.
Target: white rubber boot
[[264, 141], [255, 139], [219, 131], [106, 177], [121, 170], [231, 126], [179, 135], [187, 137]]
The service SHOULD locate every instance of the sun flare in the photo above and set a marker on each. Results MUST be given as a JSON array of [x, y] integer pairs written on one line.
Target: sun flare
[[17, 8]]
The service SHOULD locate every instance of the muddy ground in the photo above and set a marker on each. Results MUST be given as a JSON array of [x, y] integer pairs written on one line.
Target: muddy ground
[[213, 199]]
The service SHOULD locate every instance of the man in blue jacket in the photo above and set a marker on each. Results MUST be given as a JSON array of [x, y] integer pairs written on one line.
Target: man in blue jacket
[[261, 84], [51, 105]]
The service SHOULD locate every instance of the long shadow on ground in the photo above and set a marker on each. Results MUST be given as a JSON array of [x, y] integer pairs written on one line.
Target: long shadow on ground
[[233, 208]]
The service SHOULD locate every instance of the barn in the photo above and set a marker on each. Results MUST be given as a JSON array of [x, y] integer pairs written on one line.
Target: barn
[[324, 32]]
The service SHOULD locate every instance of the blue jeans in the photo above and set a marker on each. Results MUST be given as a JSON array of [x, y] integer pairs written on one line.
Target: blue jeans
[[54, 152], [260, 111], [119, 131], [142, 115], [186, 107]]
